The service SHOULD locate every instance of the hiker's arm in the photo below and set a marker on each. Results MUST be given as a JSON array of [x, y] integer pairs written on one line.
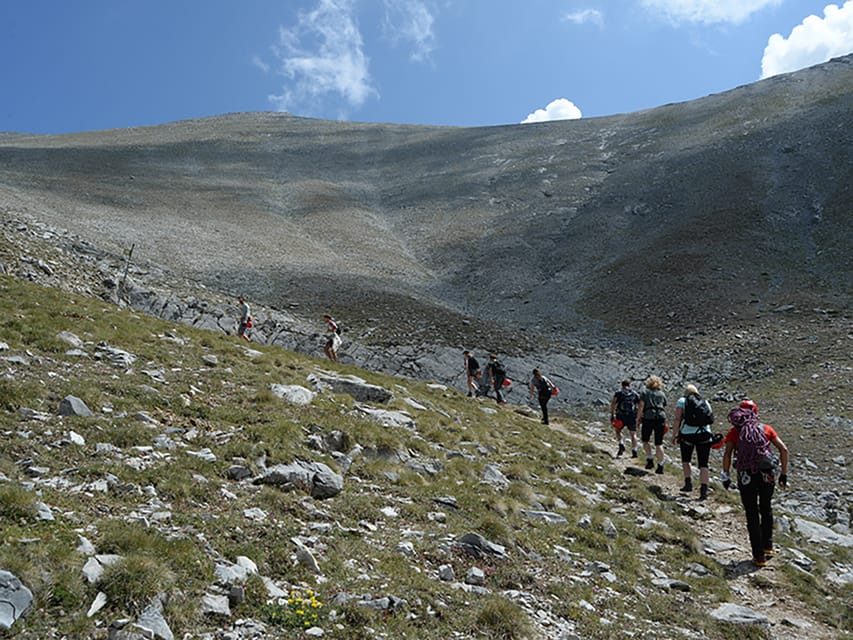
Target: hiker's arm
[[640, 406], [727, 456], [783, 453], [613, 408], [676, 425]]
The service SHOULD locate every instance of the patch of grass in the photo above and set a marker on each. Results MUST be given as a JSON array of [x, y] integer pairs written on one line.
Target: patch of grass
[[16, 503], [501, 619], [131, 583]]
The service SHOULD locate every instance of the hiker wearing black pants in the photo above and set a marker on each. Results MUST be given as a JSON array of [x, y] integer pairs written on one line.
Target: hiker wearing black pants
[[497, 376], [543, 388], [756, 481]]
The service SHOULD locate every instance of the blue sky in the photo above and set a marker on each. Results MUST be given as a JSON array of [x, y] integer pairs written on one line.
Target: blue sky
[[75, 65]]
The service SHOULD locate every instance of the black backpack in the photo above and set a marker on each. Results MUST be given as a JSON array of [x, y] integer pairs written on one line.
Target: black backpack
[[626, 403], [697, 411], [498, 369], [473, 365], [338, 329]]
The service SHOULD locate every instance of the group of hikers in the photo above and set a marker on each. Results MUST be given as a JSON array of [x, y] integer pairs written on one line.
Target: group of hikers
[[496, 378], [333, 330], [756, 469]]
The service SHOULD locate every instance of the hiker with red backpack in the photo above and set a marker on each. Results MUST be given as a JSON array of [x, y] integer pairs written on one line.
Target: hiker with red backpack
[[756, 474]]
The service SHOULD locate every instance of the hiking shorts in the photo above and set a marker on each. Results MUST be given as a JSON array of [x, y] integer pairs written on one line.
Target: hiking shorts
[[703, 452], [629, 421], [653, 425]]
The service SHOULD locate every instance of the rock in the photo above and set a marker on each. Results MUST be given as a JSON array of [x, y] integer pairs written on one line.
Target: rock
[[230, 574], [93, 570], [152, 619], [477, 546], [819, 534], [636, 471], [492, 475], [98, 603], [238, 472], [545, 516], [215, 605], [205, 454], [388, 418], [446, 573], [475, 576], [351, 385], [15, 599], [69, 338], [76, 438], [305, 557], [116, 357], [609, 528], [736, 614], [44, 512], [294, 394], [210, 359], [314, 477], [73, 406]]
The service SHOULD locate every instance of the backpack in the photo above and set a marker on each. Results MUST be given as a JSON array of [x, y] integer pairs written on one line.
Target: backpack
[[498, 370], [338, 329], [544, 386], [473, 365], [626, 403], [753, 448], [654, 402], [697, 411]]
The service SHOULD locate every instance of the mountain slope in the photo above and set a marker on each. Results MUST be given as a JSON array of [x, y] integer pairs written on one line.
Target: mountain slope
[[745, 195]]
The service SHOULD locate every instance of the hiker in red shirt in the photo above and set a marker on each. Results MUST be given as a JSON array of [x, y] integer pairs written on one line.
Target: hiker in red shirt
[[756, 474]]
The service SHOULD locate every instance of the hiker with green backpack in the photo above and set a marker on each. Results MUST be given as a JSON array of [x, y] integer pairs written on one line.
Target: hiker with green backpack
[[651, 411]]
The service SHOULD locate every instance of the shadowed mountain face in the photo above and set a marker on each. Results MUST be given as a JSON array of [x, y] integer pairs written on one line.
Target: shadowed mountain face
[[635, 223]]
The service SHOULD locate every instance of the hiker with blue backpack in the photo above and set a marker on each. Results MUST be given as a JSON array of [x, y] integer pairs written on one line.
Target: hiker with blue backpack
[[692, 429], [756, 471]]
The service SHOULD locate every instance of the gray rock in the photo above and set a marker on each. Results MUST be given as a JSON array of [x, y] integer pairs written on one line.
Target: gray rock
[[210, 359], [98, 603], [292, 393], [215, 605], [73, 406], [492, 475], [819, 534], [305, 557], [15, 599], [314, 477], [230, 574], [152, 619], [351, 385], [238, 472], [388, 418], [737, 614], [475, 576], [427, 468], [93, 570], [545, 516], [446, 573], [70, 338], [477, 546]]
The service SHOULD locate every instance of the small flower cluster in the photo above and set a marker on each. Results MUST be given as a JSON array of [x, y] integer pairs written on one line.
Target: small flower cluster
[[295, 612]]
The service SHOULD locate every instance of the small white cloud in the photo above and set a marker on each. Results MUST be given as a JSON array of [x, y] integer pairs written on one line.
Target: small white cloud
[[586, 16], [559, 109], [410, 21], [813, 41], [260, 64], [323, 58], [707, 11]]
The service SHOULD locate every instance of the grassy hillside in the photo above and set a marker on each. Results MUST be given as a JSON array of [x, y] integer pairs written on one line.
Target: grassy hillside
[[135, 479]]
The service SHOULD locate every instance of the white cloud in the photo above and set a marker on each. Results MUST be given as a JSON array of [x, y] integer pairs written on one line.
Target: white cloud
[[323, 58], [559, 109], [586, 16], [260, 64], [410, 21], [707, 11], [813, 41]]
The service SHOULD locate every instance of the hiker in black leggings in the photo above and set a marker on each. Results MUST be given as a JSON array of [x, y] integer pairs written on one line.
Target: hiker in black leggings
[[543, 388]]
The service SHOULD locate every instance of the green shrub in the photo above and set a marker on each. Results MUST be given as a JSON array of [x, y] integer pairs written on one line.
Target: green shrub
[[501, 619]]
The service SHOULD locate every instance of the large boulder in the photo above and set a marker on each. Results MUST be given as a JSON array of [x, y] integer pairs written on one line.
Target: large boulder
[[73, 406], [359, 389], [314, 477]]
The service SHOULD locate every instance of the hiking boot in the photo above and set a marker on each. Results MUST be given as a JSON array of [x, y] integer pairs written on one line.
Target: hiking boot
[[703, 492], [633, 453], [769, 553], [650, 463], [621, 450], [659, 470], [759, 562], [470, 394], [688, 486]]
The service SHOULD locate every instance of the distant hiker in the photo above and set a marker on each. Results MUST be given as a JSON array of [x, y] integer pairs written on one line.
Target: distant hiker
[[333, 338], [543, 388], [472, 372], [692, 428], [651, 410], [623, 414], [497, 375], [245, 321], [756, 475]]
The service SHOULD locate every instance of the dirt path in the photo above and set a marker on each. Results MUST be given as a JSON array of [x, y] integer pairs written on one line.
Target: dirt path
[[721, 528]]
